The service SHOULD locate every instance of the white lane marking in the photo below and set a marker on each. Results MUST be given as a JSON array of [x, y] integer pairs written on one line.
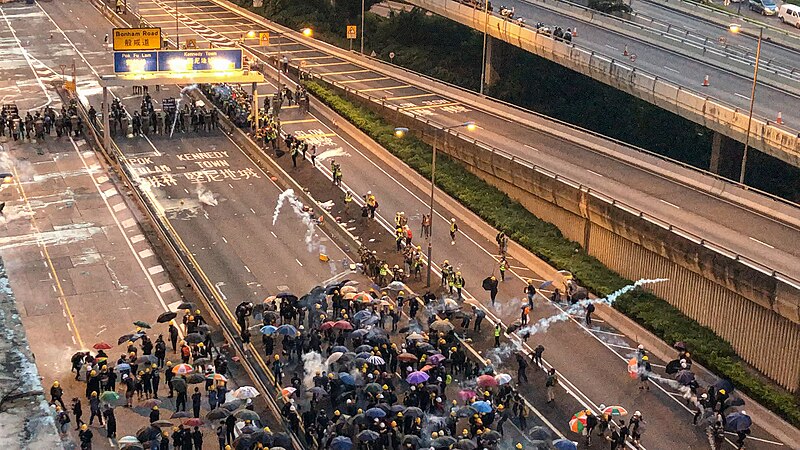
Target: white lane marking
[[223, 238], [594, 173], [251, 209], [247, 269], [109, 193], [532, 148], [28, 60], [273, 234], [166, 287], [119, 207], [670, 204], [127, 223], [146, 253], [102, 179], [760, 242], [137, 238], [671, 69], [230, 185], [298, 262], [612, 47], [740, 95], [155, 269], [605, 332]]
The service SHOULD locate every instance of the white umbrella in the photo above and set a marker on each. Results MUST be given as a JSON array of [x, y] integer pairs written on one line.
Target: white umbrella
[[334, 357], [348, 290], [245, 392], [376, 360]]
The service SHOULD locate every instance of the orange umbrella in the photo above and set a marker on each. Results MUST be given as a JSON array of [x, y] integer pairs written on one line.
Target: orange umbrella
[[182, 369]]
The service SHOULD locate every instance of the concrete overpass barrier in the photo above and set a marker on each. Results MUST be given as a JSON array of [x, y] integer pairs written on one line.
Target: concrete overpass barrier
[[780, 142]]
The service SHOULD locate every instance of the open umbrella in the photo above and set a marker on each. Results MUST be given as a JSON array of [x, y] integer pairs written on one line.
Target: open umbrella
[[466, 444], [147, 433], [362, 297], [326, 325], [102, 346], [341, 443], [232, 405], [339, 348], [334, 357], [162, 424], [132, 446], [268, 329], [193, 338], [466, 394], [246, 414], [363, 348], [193, 422], [482, 406], [443, 442], [466, 411], [373, 413], [738, 421], [565, 444], [318, 391], [245, 392], [491, 435], [578, 422], [417, 377], [684, 377], [413, 411], [218, 414], [347, 379], [149, 403], [185, 305], [435, 359], [673, 367], [376, 360], [288, 391], [121, 367], [372, 388], [415, 337], [727, 385], [410, 441], [442, 325], [540, 434], [195, 378], [201, 361], [109, 396], [166, 317], [680, 345], [486, 381], [502, 378], [181, 415], [142, 324], [146, 359], [367, 436], [128, 440], [407, 357], [287, 330], [615, 411], [343, 325], [182, 369]]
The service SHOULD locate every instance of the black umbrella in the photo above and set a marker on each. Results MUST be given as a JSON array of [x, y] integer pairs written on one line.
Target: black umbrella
[[180, 415], [281, 440], [147, 433], [488, 283], [466, 444], [202, 362], [186, 305], [204, 328], [734, 401], [673, 367], [124, 338], [413, 411], [289, 297], [166, 317], [218, 414], [540, 434], [146, 359], [680, 345], [724, 384], [142, 324], [443, 442], [193, 338], [195, 378], [491, 435], [243, 442], [232, 405], [367, 436], [580, 294], [411, 439]]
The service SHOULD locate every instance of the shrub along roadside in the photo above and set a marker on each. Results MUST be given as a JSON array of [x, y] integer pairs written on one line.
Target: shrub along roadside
[[546, 241]]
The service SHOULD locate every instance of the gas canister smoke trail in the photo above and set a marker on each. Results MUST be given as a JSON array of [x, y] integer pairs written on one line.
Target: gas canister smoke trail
[[289, 196]]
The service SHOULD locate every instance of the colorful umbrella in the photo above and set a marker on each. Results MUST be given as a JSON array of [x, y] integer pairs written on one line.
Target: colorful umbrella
[[417, 377], [486, 381], [216, 377], [288, 391], [193, 422], [578, 422], [466, 394], [102, 346], [109, 396], [245, 392], [615, 411], [482, 406], [426, 368], [182, 369], [362, 297], [435, 359]]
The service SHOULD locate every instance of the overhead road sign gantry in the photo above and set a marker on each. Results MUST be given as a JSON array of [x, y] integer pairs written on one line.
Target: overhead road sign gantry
[[136, 39]]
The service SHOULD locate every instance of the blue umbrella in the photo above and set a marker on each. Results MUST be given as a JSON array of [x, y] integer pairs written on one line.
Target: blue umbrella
[[545, 285], [341, 443], [122, 367], [738, 421], [268, 329], [482, 407], [286, 329], [364, 355], [347, 379], [361, 315], [339, 348], [367, 436], [360, 333], [565, 444], [373, 413]]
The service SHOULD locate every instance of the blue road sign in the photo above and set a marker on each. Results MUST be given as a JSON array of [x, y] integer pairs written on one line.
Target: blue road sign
[[199, 60], [135, 62]]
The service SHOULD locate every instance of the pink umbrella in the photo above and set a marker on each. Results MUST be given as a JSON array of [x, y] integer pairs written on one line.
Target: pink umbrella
[[486, 381], [466, 394]]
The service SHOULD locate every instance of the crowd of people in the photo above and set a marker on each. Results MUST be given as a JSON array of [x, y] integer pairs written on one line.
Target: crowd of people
[[40, 124]]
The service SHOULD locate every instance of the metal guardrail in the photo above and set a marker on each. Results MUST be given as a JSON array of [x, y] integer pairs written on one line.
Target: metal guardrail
[[699, 240]]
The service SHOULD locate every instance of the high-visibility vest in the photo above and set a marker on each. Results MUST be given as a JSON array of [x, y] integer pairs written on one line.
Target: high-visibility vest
[[458, 282], [496, 332], [453, 227], [384, 270]]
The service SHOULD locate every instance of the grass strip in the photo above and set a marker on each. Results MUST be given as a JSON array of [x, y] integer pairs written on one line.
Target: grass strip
[[547, 242]]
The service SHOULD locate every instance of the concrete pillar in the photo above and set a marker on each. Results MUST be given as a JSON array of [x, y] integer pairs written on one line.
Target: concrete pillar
[[716, 149], [106, 123], [491, 74]]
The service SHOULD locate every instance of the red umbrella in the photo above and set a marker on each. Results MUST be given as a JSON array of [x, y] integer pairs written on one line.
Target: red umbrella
[[486, 381], [407, 357], [343, 325], [193, 422], [102, 346], [326, 325]]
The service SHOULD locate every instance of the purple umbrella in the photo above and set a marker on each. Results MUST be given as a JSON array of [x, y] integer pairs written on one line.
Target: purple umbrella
[[436, 359], [417, 377]]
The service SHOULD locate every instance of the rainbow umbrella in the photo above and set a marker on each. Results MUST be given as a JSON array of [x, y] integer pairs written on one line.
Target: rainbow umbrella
[[362, 297], [615, 411], [578, 422]]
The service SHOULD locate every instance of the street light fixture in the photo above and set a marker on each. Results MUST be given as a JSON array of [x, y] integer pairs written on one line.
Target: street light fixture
[[400, 132], [736, 28], [307, 32]]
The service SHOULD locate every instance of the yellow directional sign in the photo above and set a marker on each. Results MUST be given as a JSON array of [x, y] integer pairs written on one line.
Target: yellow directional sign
[[263, 38], [191, 43], [127, 39], [351, 32]]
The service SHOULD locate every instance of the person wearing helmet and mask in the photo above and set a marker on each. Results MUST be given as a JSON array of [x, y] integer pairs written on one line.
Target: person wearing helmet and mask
[[56, 392], [644, 373], [85, 436], [453, 231], [591, 423]]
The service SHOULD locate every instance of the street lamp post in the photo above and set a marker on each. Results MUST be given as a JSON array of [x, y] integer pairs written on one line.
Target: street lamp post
[[735, 29], [400, 132], [363, 7], [485, 37]]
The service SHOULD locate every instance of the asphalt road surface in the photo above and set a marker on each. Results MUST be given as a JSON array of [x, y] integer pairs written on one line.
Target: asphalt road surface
[[738, 229]]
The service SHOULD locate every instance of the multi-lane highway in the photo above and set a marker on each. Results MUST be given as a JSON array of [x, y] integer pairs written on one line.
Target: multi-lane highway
[[629, 177]]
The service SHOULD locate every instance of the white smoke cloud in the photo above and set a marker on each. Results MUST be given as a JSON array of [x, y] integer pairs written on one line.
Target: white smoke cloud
[[205, 196], [290, 197], [312, 363], [332, 153]]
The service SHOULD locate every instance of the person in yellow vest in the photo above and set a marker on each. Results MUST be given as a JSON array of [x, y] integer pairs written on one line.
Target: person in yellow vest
[[384, 274], [348, 199], [458, 283], [497, 332], [453, 231], [446, 271], [503, 268], [372, 204]]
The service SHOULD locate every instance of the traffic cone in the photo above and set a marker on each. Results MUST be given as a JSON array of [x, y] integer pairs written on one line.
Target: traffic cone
[[780, 118], [705, 81], [575, 32], [625, 52]]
